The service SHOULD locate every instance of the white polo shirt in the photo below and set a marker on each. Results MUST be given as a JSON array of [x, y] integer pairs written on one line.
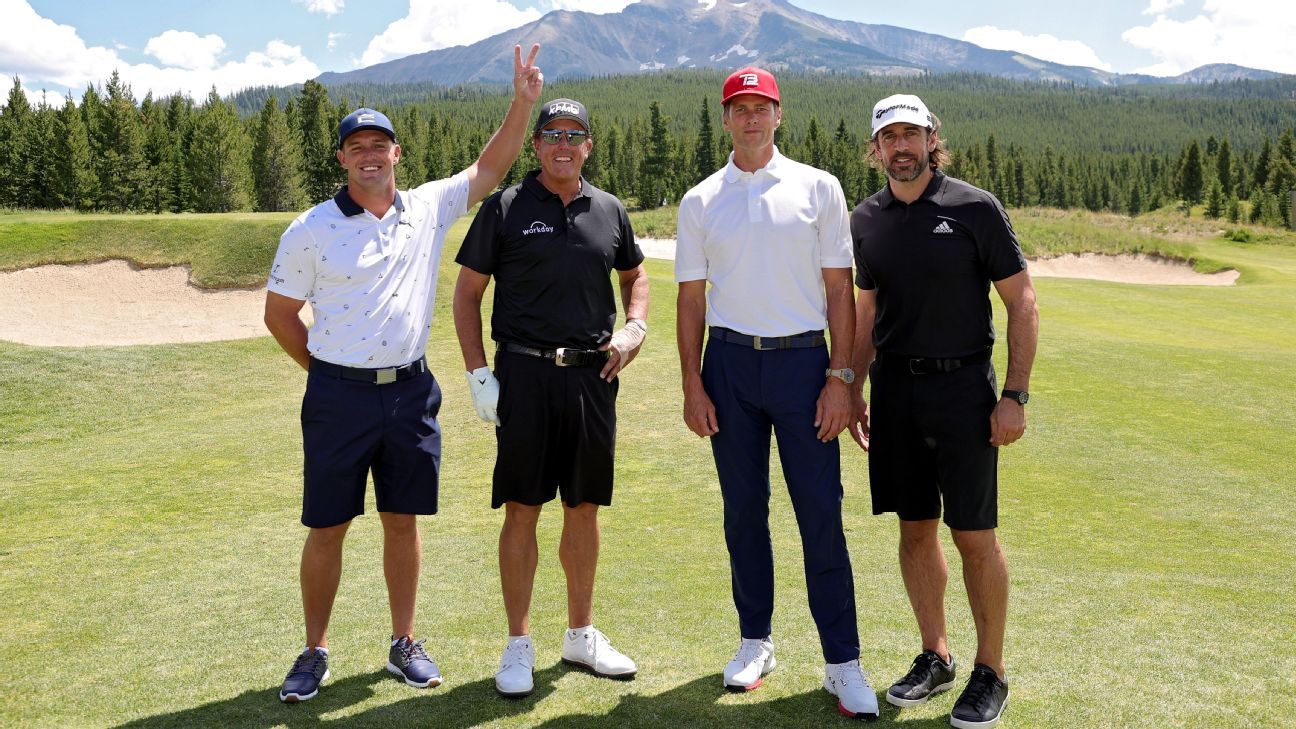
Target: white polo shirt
[[371, 282], [762, 239]]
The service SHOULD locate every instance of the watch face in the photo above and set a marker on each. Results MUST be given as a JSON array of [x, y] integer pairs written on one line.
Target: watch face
[[848, 375]]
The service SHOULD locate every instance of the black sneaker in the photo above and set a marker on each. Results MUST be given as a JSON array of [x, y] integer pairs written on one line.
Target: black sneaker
[[307, 673], [982, 701], [929, 676], [408, 660]]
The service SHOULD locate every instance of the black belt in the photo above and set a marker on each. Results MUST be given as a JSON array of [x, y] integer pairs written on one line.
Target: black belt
[[794, 341], [562, 357], [930, 365], [383, 376]]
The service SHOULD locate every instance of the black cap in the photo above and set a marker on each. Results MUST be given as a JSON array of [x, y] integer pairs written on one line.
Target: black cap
[[562, 109], [362, 119]]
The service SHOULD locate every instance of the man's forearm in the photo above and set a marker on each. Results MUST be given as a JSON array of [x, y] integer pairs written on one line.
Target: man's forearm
[[690, 318], [841, 317], [634, 295], [503, 148], [1023, 338]]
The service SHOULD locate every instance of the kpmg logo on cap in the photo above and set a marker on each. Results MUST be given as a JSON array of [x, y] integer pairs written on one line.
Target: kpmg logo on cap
[[750, 79], [563, 107], [538, 227]]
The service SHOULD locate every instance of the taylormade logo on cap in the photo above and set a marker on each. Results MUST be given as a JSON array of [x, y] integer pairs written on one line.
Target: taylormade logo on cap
[[900, 109]]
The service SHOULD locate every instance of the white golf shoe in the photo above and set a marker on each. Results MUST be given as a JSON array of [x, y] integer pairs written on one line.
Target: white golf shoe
[[754, 659], [514, 677], [589, 649], [855, 697]]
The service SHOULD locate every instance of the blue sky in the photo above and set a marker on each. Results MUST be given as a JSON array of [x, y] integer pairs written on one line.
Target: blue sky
[[165, 46]]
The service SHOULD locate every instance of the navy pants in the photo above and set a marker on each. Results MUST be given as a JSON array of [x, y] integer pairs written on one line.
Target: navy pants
[[754, 391]]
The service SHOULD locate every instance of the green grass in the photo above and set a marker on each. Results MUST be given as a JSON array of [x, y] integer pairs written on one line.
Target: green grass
[[149, 540]]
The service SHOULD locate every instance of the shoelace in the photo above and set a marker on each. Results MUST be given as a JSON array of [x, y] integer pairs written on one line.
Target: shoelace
[[848, 677], [412, 650], [922, 665], [307, 663], [748, 651], [516, 653], [981, 684]]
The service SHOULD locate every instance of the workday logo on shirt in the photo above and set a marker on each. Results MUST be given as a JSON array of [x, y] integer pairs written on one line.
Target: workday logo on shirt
[[538, 227]]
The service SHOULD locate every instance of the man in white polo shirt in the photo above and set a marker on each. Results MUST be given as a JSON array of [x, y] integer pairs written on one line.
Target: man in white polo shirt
[[772, 238], [367, 263]]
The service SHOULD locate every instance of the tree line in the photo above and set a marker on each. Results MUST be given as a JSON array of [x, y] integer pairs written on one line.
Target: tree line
[[655, 136]]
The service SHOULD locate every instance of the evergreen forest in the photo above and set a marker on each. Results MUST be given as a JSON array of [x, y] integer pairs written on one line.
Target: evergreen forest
[[1225, 146]]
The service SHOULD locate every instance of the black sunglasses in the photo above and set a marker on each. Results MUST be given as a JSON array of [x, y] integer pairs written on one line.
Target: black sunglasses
[[573, 137]]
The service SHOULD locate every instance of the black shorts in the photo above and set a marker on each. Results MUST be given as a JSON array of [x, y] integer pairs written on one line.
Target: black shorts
[[350, 428], [930, 443], [557, 432]]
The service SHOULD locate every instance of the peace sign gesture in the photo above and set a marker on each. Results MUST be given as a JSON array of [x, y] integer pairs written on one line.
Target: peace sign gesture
[[528, 82]]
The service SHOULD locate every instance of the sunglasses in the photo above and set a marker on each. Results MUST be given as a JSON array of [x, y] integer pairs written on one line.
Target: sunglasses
[[573, 137]]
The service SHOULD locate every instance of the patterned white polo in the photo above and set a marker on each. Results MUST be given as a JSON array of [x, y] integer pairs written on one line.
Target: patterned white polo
[[371, 282]]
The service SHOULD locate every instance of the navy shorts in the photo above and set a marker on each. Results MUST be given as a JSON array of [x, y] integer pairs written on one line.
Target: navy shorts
[[350, 428], [557, 432], [929, 443]]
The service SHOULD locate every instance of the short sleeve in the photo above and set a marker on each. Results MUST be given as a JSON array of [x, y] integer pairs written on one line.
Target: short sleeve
[[690, 234], [628, 254], [293, 271], [480, 248], [448, 197], [1001, 253], [834, 225]]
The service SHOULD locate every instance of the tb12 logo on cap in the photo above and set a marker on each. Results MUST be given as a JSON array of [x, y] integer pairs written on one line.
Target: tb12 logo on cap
[[750, 79]]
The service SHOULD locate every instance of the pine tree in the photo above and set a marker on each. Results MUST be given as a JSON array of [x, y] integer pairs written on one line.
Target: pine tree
[[816, 151], [220, 166], [1135, 199], [318, 132], [1224, 167], [1234, 209], [160, 150], [1215, 200], [76, 182], [15, 149], [1190, 175], [704, 149], [1260, 177], [118, 145], [277, 162], [655, 169]]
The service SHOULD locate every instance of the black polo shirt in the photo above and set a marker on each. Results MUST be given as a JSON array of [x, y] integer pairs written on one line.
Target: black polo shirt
[[551, 263], [931, 263]]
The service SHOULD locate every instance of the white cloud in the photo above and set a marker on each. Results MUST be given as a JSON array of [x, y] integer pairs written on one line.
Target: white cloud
[[333, 39], [431, 24], [48, 54], [1156, 7], [1045, 47], [328, 7], [1254, 33], [184, 49]]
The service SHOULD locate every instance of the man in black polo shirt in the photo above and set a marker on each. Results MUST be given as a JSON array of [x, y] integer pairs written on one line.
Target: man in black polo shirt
[[551, 243], [927, 249]]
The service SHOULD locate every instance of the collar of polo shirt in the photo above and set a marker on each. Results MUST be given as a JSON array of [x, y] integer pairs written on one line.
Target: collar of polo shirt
[[771, 168]]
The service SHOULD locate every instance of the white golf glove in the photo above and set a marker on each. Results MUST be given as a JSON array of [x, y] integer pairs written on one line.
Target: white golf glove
[[626, 339], [485, 393]]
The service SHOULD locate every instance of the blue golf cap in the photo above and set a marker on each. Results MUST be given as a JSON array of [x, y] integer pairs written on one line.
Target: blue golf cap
[[362, 119]]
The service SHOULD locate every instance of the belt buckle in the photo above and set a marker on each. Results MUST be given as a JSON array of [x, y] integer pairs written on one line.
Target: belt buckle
[[914, 361], [759, 345], [560, 357], [385, 377]]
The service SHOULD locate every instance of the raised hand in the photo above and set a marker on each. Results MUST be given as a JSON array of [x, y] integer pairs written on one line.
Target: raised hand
[[528, 82]]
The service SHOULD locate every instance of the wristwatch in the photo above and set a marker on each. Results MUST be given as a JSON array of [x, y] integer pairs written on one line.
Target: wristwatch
[[1021, 396], [845, 374]]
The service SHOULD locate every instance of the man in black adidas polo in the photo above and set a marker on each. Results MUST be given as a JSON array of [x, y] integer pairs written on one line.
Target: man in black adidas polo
[[551, 243], [927, 249]]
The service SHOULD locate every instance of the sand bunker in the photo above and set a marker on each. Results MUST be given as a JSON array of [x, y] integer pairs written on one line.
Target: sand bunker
[[115, 304]]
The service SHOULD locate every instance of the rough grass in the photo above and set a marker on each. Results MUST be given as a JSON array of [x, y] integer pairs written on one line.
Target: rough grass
[[149, 540]]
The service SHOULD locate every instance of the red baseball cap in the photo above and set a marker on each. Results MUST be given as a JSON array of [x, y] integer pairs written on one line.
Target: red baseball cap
[[750, 80]]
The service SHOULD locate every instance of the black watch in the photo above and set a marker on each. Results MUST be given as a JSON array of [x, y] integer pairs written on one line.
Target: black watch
[[1021, 396]]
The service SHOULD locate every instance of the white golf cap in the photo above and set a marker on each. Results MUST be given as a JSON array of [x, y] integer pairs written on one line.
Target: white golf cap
[[902, 109]]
